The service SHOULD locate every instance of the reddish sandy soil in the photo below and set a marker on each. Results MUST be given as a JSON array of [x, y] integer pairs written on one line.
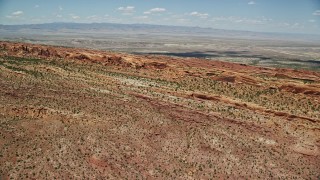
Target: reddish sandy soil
[[70, 113]]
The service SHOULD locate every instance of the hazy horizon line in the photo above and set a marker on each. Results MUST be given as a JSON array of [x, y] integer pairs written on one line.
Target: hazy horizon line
[[164, 25]]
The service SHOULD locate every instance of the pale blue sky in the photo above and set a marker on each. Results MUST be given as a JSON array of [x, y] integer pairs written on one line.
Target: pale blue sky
[[296, 16]]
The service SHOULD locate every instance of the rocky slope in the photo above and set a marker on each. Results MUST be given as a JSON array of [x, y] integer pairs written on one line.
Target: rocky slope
[[80, 113]]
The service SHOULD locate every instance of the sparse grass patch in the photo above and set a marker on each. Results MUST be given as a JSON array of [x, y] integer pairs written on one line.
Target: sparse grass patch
[[19, 60], [36, 74]]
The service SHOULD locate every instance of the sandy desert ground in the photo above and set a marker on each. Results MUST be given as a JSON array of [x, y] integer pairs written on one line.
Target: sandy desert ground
[[72, 113]]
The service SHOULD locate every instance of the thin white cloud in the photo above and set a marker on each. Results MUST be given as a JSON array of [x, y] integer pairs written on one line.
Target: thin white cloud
[[16, 14], [182, 20], [251, 3], [127, 10], [59, 16], [93, 18], [311, 20], [60, 8], [155, 10], [234, 19], [284, 24], [73, 16], [297, 26], [316, 13], [142, 17], [291, 25], [200, 15], [36, 6]]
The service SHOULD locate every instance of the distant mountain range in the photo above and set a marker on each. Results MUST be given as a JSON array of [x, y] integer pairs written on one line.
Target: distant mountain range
[[149, 29]]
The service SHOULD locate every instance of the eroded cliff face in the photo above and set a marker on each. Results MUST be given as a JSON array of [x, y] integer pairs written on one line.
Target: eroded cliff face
[[74, 113]]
